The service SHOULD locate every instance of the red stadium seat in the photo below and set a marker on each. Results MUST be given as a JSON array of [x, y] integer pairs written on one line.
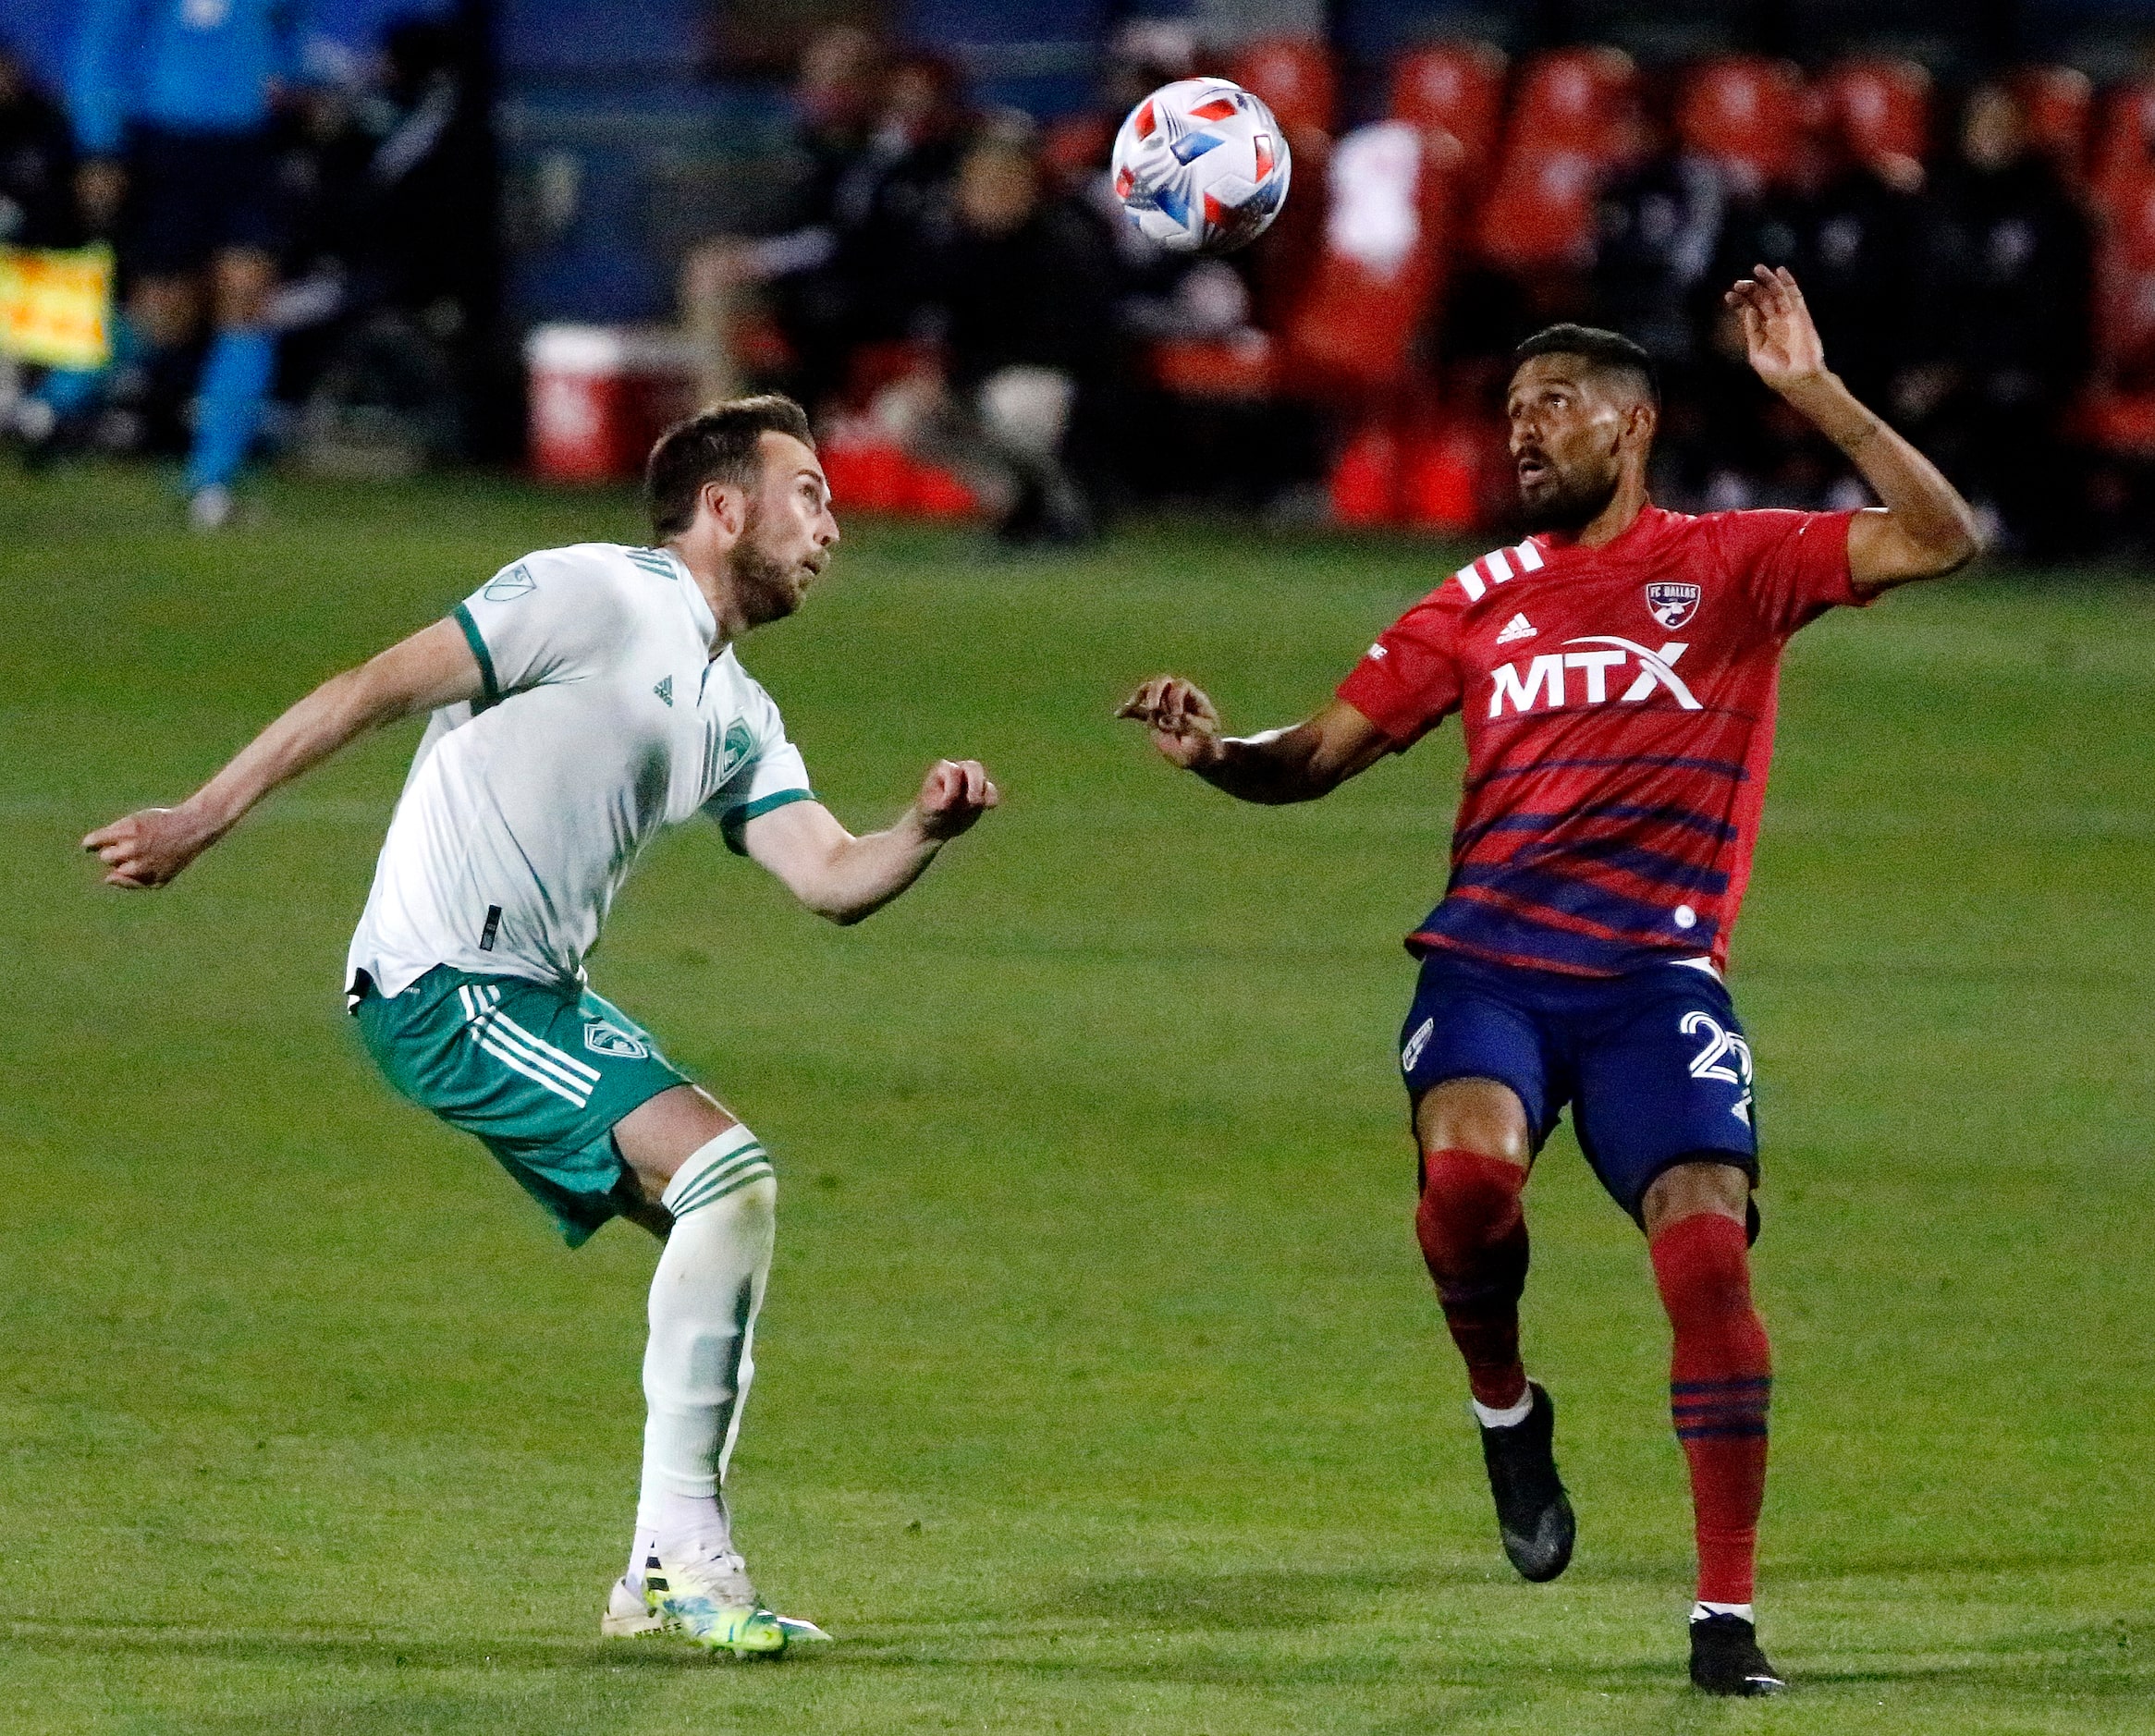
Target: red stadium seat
[[2123, 137], [1233, 369], [2124, 296], [2059, 103], [1293, 77], [1075, 147], [1381, 268], [1571, 120], [1456, 87], [1296, 78], [1573, 99], [1746, 112], [1540, 215], [1881, 107]]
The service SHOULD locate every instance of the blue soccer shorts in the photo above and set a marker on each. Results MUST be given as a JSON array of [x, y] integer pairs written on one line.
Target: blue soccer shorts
[[1653, 1064], [191, 196]]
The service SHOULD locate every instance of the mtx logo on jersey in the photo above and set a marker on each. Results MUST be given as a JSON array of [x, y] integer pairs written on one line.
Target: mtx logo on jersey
[[1670, 603], [601, 1038], [1547, 684]]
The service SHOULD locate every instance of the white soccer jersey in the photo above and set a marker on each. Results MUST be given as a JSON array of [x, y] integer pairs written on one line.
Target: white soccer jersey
[[604, 718]]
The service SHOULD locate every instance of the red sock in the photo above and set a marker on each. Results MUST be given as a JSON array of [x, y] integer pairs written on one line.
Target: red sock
[[1719, 1379], [1473, 1237]]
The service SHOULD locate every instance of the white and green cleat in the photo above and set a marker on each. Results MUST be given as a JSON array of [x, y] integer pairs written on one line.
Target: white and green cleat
[[708, 1603]]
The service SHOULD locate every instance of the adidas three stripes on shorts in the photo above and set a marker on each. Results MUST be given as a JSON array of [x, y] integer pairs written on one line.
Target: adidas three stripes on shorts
[[537, 1072]]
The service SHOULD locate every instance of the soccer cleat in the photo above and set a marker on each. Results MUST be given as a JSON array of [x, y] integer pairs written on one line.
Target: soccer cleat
[[1534, 1515], [210, 508], [710, 1604], [1725, 1658]]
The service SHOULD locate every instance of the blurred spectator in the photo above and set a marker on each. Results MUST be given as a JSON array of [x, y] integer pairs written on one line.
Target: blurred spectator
[[1850, 234], [170, 102], [1658, 236], [37, 209], [2003, 342], [381, 192], [1016, 287], [37, 165], [804, 270]]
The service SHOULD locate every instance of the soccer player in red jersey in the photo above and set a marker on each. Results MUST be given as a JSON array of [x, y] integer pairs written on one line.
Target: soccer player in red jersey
[[1615, 675]]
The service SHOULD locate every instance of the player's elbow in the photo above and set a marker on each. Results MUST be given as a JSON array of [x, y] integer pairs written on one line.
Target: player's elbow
[[1934, 550], [1963, 543], [828, 893]]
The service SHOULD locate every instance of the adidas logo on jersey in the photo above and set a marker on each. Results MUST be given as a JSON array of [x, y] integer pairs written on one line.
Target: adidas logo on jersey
[[665, 692], [1547, 684], [1517, 628]]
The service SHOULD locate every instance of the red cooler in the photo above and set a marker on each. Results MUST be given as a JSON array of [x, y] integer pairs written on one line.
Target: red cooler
[[601, 395]]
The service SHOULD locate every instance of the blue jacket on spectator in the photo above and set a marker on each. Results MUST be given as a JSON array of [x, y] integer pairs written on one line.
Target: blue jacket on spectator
[[186, 65]]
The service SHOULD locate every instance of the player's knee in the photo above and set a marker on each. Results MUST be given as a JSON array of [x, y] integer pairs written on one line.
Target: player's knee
[[1475, 1115], [1687, 1189], [1470, 1224], [749, 1206], [1470, 1193]]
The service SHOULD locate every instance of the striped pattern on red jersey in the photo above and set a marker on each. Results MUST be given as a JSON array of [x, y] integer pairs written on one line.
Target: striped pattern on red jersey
[[1618, 704]]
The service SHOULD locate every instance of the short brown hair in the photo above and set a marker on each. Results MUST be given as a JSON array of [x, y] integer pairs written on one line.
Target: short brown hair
[[718, 444], [1603, 352]]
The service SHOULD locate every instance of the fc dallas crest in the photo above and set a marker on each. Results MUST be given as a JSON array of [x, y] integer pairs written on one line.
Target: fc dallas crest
[[1671, 604]]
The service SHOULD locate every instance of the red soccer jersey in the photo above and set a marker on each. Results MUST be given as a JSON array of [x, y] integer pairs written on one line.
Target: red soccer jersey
[[1618, 703]]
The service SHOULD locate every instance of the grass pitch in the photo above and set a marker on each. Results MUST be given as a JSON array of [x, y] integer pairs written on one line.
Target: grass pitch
[[1100, 1387]]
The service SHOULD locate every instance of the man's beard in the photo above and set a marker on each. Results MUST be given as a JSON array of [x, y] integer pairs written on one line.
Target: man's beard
[[762, 582], [1571, 506]]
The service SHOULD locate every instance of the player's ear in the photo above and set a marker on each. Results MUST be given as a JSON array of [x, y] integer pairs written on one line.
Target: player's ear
[[727, 506]]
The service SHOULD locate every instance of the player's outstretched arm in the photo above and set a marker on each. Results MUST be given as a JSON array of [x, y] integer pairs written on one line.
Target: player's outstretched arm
[[434, 667], [1299, 763], [847, 878], [1926, 530]]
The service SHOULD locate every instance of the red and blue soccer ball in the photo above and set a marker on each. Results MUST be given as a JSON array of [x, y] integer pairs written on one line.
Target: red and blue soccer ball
[[1201, 167]]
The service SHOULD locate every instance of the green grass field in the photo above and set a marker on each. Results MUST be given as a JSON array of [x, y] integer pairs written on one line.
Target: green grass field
[[1100, 1386]]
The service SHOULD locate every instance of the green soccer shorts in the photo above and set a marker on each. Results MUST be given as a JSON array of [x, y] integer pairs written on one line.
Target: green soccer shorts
[[539, 1073]]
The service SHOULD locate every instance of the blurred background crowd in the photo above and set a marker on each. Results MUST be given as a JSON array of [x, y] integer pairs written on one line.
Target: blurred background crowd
[[372, 237]]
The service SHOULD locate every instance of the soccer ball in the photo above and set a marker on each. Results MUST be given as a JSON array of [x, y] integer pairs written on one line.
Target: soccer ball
[[1201, 167]]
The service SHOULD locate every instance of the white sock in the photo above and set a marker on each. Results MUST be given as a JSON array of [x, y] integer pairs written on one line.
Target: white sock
[[699, 1360], [1700, 1611], [1509, 1417]]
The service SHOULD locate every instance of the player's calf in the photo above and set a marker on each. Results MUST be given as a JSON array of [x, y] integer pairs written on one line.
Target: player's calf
[[1472, 1231], [1721, 1383]]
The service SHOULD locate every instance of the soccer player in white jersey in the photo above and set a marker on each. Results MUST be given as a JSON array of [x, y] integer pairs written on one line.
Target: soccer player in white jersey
[[582, 698]]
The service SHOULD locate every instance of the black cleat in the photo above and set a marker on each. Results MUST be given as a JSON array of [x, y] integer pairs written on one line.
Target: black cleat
[[1725, 1658], [1534, 1515]]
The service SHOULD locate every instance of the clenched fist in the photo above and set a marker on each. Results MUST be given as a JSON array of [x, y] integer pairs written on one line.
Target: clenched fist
[[1183, 718], [954, 794]]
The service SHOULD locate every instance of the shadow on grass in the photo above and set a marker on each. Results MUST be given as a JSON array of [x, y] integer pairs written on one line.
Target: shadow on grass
[[284, 1646], [1183, 1602], [1152, 1628]]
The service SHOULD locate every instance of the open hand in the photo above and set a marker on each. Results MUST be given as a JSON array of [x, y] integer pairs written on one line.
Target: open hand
[[954, 794], [1779, 339], [1183, 718], [150, 848]]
